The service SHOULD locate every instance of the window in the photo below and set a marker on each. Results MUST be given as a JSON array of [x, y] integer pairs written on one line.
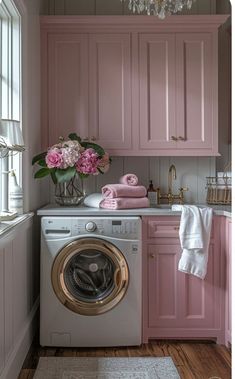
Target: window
[[10, 87]]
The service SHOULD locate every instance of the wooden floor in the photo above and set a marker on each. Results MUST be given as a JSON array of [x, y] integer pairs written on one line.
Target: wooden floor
[[194, 360]]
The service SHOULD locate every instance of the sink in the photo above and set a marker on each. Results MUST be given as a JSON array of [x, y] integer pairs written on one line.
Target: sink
[[169, 207], [162, 206]]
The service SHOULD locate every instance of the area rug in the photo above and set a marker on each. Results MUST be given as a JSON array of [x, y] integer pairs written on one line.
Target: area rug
[[106, 368]]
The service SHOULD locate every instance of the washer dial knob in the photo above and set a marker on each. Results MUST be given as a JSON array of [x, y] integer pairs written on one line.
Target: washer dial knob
[[90, 226]]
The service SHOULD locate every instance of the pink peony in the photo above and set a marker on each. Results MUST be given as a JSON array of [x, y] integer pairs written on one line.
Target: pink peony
[[54, 158], [88, 162], [104, 163], [70, 157]]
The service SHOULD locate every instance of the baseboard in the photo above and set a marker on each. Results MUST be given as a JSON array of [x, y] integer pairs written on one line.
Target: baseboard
[[22, 345]]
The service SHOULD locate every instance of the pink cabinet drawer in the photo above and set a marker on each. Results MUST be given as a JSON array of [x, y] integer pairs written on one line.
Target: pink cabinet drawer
[[162, 229], [167, 228]]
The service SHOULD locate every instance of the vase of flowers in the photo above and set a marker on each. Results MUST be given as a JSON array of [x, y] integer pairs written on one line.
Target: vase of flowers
[[68, 163]]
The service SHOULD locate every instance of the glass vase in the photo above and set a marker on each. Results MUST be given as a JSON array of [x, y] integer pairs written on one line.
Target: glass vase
[[70, 193]]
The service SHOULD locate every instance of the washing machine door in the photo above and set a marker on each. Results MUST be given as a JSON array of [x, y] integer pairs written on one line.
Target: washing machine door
[[90, 276]]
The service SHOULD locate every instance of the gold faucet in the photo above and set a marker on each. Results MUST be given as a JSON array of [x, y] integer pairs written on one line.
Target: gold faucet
[[171, 176], [170, 197]]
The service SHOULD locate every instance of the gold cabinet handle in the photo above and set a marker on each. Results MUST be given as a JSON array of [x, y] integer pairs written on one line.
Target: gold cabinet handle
[[152, 256], [181, 138], [173, 138]]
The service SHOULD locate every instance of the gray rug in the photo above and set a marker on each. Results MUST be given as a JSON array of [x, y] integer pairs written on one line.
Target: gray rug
[[106, 368]]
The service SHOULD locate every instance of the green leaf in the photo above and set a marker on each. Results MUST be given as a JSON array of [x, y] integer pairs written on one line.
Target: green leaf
[[74, 137], [38, 157], [65, 175], [41, 173], [53, 175], [90, 145], [42, 163], [83, 176]]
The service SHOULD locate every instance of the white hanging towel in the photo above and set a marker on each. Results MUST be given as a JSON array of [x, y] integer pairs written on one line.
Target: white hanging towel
[[194, 233]]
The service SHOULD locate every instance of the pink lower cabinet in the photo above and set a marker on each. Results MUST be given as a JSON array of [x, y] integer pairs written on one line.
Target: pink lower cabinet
[[228, 293], [178, 305]]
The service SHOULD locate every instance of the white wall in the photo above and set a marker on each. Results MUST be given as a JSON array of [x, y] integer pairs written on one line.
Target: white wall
[[18, 303]]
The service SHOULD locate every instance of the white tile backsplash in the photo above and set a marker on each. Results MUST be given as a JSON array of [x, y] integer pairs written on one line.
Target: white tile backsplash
[[191, 172]]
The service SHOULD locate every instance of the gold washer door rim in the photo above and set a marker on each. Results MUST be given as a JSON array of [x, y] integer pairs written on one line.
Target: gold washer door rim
[[121, 276]]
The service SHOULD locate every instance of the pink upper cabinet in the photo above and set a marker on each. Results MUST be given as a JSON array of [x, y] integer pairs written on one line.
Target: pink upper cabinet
[[136, 85], [67, 102], [110, 90], [195, 85], [178, 87], [157, 91]]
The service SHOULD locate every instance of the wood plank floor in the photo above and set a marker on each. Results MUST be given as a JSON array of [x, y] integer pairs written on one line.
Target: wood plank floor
[[194, 360]]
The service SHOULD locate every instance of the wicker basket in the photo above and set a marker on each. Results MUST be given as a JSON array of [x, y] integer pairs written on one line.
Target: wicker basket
[[219, 190]]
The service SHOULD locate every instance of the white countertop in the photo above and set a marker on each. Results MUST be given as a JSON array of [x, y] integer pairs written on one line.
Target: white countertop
[[56, 210]]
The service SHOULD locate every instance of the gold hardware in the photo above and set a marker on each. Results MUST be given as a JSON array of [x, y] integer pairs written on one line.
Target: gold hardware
[[151, 255], [181, 138], [170, 197], [177, 228], [171, 176], [93, 138], [173, 138], [183, 189]]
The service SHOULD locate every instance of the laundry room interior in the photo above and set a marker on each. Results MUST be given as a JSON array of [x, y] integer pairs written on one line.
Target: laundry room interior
[[116, 189]]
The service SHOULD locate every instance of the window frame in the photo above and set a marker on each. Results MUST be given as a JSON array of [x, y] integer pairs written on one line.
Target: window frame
[[10, 87]]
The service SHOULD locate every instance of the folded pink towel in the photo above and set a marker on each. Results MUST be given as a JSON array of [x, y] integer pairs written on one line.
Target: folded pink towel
[[125, 203], [129, 179], [123, 190]]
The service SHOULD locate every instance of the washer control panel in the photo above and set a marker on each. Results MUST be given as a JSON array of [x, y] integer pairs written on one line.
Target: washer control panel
[[117, 227], [91, 226]]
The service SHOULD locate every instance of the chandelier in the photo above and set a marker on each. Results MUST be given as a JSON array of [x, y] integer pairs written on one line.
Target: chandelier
[[160, 8]]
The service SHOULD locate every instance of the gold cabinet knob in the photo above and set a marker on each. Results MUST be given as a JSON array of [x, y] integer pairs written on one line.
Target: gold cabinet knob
[[181, 138], [152, 256], [173, 138], [177, 228]]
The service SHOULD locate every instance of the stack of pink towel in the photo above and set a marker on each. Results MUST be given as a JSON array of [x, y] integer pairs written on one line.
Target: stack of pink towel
[[125, 195]]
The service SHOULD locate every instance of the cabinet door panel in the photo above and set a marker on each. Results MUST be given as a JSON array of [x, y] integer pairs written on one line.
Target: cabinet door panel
[[1, 310], [8, 304], [199, 296], [228, 247], [68, 85], [110, 90], [194, 67], [163, 286], [157, 91], [178, 300]]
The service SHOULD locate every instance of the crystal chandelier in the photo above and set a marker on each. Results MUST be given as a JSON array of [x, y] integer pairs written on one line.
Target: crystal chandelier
[[160, 8]]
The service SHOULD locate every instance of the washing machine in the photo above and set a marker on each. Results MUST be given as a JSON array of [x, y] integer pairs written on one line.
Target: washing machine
[[90, 281]]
